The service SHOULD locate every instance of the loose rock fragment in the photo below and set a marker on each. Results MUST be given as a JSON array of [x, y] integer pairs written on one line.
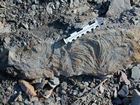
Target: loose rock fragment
[[35, 1], [117, 101], [47, 93], [27, 88], [134, 2], [126, 101], [64, 85], [135, 97], [7, 40], [41, 84], [101, 88], [18, 1], [118, 6], [50, 7], [115, 93], [54, 82], [9, 89], [136, 72], [76, 3], [38, 80], [19, 97], [5, 28], [124, 91], [123, 78]]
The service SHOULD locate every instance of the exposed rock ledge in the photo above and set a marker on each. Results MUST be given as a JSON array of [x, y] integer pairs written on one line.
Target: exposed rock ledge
[[32, 57]]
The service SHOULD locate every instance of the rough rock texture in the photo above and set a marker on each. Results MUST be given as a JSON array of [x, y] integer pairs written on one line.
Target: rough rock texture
[[53, 73], [136, 72], [100, 54], [4, 28], [136, 97], [118, 6], [33, 48]]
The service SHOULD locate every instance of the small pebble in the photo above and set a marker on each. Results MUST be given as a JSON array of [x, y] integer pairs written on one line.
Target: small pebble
[[86, 84], [9, 89], [94, 91], [63, 92], [64, 85], [92, 85], [74, 92]]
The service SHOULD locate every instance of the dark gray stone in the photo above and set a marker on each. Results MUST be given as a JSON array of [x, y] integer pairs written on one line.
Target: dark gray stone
[[126, 101], [63, 99], [43, 58], [41, 84], [135, 97], [117, 101], [124, 91]]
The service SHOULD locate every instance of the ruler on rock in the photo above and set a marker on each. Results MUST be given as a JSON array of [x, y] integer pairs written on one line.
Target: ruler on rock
[[86, 29]]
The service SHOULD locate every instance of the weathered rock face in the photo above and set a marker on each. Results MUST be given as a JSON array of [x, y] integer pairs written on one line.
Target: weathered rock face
[[31, 43], [118, 6], [100, 54]]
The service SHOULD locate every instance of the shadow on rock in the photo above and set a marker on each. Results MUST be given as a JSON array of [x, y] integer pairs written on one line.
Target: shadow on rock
[[58, 44]]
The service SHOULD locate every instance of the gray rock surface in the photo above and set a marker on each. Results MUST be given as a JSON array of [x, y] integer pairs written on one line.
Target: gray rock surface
[[136, 72], [135, 97], [134, 2], [32, 47], [124, 91], [126, 101], [5, 28], [54, 82], [117, 101], [50, 8], [96, 54], [36, 50], [118, 6]]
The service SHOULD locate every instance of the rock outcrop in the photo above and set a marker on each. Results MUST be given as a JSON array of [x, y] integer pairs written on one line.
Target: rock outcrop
[[99, 54], [33, 47]]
